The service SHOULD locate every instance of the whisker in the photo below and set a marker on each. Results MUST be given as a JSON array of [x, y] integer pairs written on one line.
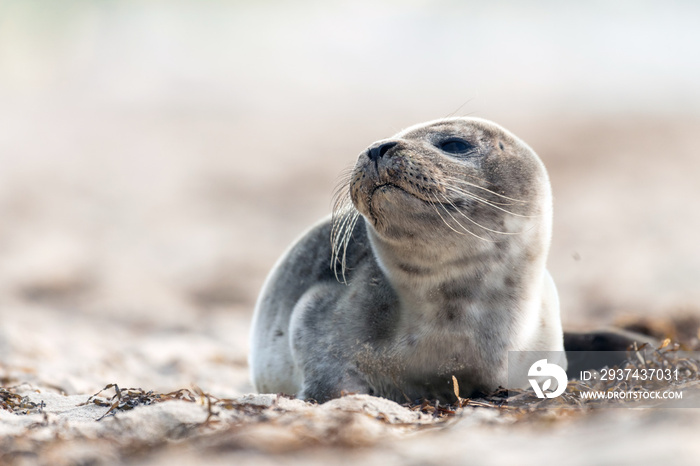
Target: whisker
[[458, 180], [443, 219], [336, 249], [471, 194], [341, 191], [484, 201], [477, 223], [339, 212], [477, 178], [459, 108], [345, 242], [340, 222], [343, 223], [458, 223]]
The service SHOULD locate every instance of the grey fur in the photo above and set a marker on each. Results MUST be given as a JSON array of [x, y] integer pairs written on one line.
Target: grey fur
[[442, 274]]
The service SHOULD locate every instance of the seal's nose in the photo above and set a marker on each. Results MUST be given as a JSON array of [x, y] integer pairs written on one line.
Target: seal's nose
[[378, 151]]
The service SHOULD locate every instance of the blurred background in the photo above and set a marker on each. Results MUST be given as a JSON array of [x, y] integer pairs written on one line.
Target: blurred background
[[156, 158]]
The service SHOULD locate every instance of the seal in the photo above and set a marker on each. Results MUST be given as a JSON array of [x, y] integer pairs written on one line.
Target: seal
[[437, 269]]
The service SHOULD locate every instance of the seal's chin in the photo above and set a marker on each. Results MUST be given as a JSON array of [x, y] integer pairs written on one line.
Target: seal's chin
[[390, 205], [386, 188], [387, 196]]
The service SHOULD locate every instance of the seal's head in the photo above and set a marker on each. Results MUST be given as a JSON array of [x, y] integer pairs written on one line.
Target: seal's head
[[461, 174], [451, 185]]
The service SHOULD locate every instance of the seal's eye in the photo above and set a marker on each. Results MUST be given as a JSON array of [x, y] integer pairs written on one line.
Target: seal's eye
[[455, 146]]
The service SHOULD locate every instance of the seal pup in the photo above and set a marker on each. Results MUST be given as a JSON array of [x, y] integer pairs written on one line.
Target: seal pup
[[432, 266]]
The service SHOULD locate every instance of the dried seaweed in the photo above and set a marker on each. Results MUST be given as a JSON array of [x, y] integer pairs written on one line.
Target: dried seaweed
[[125, 399], [11, 401]]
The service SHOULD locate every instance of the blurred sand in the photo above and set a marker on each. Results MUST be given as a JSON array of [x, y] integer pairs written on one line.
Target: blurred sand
[[155, 162]]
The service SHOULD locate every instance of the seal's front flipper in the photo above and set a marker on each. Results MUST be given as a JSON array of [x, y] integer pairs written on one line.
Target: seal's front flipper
[[595, 350], [332, 382]]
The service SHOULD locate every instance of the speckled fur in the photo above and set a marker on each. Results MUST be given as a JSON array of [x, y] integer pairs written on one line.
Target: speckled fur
[[422, 302]]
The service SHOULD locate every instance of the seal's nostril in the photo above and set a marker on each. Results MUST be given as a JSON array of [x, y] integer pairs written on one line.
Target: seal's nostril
[[376, 152]]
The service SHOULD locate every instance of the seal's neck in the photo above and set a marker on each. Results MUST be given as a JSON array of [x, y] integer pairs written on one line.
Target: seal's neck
[[465, 274], [419, 266]]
